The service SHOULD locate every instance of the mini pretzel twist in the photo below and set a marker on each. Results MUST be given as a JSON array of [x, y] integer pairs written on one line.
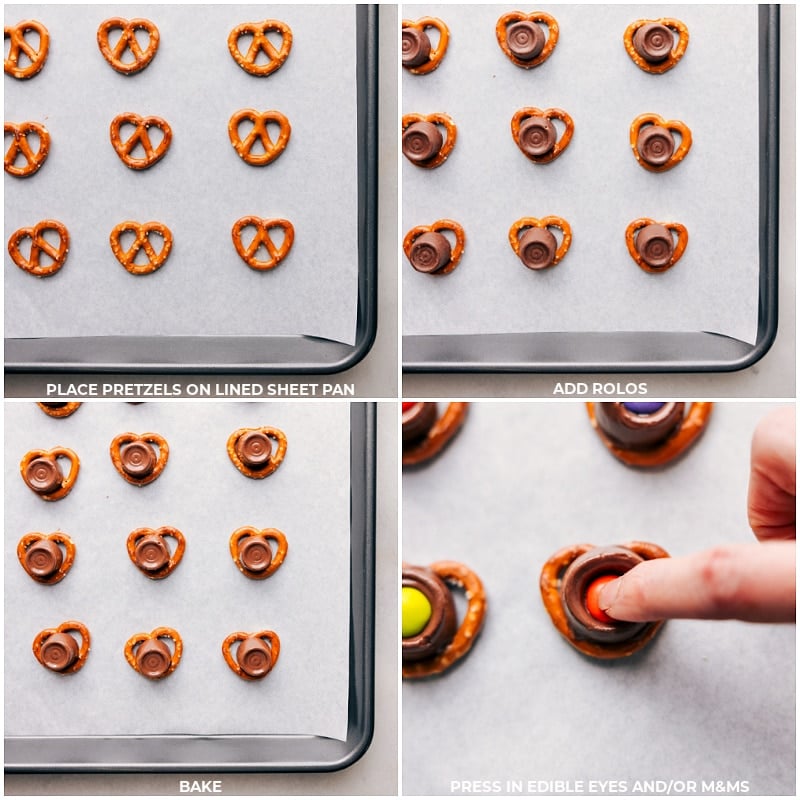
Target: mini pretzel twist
[[268, 534], [550, 588], [19, 46], [262, 237], [157, 633], [33, 263], [548, 113], [437, 53], [65, 410], [127, 42], [240, 636], [501, 31], [275, 459], [630, 241], [692, 426], [276, 57], [455, 574], [65, 627], [259, 133], [59, 538], [135, 536], [115, 450], [140, 136], [20, 145], [523, 223], [142, 232], [444, 429], [437, 227], [450, 140], [56, 452], [676, 54], [671, 125]]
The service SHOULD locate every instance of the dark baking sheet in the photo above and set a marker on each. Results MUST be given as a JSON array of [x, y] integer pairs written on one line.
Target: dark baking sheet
[[279, 354], [264, 753], [642, 351]]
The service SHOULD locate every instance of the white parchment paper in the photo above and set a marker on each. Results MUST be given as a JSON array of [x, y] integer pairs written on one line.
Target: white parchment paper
[[202, 494], [200, 188], [596, 184], [705, 701]]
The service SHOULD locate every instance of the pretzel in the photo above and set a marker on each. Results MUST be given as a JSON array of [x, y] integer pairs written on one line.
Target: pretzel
[[127, 42], [448, 144], [271, 651], [645, 120], [134, 540], [544, 223], [692, 426], [266, 534], [276, 58], [454, 574], [59, 409], [263, 227], [259, 132], [257, 460], [443, 430], [141, 136], [158, 669], [676, 227], [132, 467], [676, 53], [501, 30], [51, 470], [437, 227], [20, 47], [550, 587], [33, 263], [20, 145], [41, 638], [435, 54], [549, 114], [54, 570], [142, 232]]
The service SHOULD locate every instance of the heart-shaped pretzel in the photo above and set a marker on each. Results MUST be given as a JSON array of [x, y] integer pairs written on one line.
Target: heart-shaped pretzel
[[676, 53], [437, 53], [268, 534], [118, 442], [157, 634], [676, 227], [57, 452], [449, 141], [275, 459], [269, 637], [501, 30], [524, 223], [20, 146], [550, 587], [19, 46], [690, 429], [127, 42], [263, 227], [57, 538], [455, 574], [276, 57], [166, 531], [33, 262], [140, 136], [672, 125], [259, 132], [65, 627], [437, 227], [142, 232], [548, 113], [59, 409], [440, 433]]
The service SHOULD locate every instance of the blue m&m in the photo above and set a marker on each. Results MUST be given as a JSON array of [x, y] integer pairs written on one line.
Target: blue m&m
[[643, 408]]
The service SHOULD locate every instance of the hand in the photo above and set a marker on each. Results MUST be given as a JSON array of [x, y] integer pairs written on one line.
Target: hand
[[754, 582]]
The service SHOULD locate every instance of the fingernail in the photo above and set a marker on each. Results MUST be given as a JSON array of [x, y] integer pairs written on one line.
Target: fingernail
[[608, 595]]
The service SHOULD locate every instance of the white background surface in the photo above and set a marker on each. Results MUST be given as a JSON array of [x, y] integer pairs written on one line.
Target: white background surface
[[706, 700], [200, 188], [596, 184], [202, 494]]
